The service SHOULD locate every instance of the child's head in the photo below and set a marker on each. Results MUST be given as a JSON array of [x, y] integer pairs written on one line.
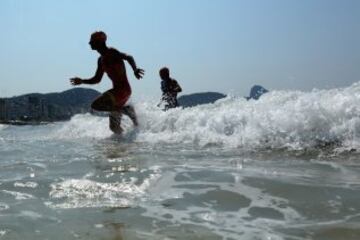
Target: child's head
[[164, 73]]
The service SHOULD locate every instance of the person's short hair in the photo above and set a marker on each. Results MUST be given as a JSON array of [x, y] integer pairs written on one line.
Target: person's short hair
[[164, 71], [98, 36]]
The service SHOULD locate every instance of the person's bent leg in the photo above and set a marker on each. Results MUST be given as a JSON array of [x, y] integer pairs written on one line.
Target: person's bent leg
[[130, 112], [115, 122], [105, 103]]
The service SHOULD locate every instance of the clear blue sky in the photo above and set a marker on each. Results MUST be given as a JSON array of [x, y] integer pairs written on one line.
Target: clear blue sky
[[209, 45]]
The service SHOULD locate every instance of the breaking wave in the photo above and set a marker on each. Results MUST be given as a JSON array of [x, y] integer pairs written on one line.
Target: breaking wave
[[279, 119]]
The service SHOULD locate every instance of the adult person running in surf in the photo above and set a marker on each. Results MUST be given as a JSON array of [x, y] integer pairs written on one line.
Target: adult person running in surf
[[111, 61]]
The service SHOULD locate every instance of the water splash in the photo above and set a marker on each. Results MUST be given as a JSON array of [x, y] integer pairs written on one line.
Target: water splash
[[280, 119]]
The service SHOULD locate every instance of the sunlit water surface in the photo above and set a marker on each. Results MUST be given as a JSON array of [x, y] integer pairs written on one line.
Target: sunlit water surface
[[284, 167]]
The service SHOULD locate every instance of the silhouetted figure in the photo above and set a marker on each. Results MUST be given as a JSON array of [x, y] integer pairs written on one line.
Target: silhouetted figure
[[170, 88], [111, 61]]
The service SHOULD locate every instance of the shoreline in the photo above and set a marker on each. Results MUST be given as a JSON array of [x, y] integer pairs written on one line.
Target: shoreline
[[24, 123]]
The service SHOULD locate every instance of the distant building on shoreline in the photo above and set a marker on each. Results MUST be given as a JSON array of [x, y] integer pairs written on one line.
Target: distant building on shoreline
[[3, 110], [50, 107]]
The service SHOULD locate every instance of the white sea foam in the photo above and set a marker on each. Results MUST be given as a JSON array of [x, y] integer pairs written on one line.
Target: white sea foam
[[30, 214], [279, 119], [2, 127], [19, 195], [2, 232], [83, 193], [3, 206], [204, 212], [26, 184], [82, 126]]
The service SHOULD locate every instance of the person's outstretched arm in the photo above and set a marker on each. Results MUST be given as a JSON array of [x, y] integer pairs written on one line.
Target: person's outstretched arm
[[94, 80], [138, 72]]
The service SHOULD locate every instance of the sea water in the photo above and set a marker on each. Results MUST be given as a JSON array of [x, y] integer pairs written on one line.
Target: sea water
[[283, 167]]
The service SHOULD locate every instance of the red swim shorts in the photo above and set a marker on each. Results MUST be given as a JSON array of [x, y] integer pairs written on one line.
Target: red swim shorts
[[118, 97]]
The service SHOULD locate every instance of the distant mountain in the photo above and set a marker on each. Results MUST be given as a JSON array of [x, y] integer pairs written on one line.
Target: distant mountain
[[73, 97], [256, 91], [81, 97], [36, 107], [195, 99]]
